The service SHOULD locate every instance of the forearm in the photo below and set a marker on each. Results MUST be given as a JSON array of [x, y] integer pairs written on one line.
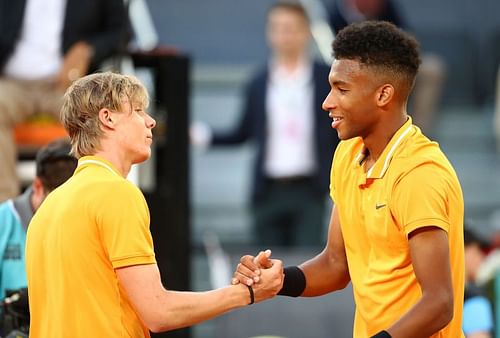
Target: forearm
[[177, 309], [162, 310], [322, 274], [430, 314]]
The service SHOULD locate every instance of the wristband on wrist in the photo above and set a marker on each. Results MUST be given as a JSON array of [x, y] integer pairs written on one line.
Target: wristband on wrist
[[382, 334], [294, 283], [252, 296]]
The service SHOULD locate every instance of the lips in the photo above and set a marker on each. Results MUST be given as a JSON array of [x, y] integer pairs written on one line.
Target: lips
[[336, 121]]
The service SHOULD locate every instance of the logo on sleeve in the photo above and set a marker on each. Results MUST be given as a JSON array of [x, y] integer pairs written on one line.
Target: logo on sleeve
[[380, 205], [12, 252]]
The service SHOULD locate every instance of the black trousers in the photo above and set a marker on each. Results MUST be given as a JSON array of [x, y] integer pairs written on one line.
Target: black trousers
[[290, 213]]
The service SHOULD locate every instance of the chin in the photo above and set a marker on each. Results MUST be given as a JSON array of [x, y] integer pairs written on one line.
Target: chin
[[142, 157], [345, 137], [345, 134], [341, 136]]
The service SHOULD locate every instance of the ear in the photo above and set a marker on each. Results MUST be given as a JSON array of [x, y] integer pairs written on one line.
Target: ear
[[385, 93], [38, 194], [106, 118], [37, 186]]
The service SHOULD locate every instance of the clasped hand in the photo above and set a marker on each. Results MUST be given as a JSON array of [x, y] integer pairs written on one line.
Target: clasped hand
[[263, 274]]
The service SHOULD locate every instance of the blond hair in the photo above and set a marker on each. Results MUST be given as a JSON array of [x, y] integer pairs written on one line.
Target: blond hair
[[86, 97]]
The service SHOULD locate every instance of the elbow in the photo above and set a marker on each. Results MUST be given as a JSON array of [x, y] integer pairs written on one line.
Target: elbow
[[159, 327], [343, 283], [343, 277], [158, 324], [444, 309], [155, 326]]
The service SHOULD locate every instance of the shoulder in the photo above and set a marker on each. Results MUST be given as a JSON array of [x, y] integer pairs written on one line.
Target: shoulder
[[7, 211], [118, 201], [5, 207], [321, 67], [120, 188], [320, 73], [9, 218], [119, 192], [418, 153], [259, 75]]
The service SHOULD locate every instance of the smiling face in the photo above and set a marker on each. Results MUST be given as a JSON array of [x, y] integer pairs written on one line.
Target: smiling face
[[352, 101], [134, 131]]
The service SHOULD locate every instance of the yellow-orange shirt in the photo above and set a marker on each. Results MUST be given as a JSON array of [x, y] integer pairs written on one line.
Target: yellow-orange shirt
[[91, 225], [411, 185]]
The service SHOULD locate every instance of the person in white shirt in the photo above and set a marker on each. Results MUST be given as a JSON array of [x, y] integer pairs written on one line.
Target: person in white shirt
[[44, 46], [282, 114]]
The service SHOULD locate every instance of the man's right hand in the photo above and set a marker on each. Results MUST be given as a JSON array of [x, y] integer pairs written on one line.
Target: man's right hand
[[249, 271], [270, 281]]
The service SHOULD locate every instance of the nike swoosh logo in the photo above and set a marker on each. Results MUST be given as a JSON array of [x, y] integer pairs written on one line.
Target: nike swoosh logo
[[378, 206]]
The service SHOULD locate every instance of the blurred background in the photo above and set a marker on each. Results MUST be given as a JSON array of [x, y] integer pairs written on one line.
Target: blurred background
[[196, 57]]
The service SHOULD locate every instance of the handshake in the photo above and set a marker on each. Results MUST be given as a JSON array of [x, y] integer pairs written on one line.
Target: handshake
[[261, 274]]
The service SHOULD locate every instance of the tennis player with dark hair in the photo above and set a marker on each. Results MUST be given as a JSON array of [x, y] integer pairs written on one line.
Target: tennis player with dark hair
[[396, 231]]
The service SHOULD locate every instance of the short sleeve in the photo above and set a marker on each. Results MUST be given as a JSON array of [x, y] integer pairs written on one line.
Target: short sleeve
[[420, 198], [123, 222]]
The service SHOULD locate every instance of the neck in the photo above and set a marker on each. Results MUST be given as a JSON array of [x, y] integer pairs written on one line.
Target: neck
[[289, 61], [378, 140], [115, 157]]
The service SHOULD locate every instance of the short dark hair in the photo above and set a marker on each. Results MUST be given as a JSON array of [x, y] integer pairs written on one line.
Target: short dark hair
[[292, 6], [55, 164], [379, 44]]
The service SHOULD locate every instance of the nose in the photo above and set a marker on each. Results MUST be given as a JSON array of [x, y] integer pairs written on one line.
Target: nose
[[150, 121], [328, 103]]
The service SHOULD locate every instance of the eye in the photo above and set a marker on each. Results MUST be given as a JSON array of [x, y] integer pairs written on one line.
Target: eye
[[342, 90]]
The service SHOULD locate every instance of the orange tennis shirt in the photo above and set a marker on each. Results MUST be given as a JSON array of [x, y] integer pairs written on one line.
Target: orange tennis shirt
[[412, 185], [92, 224]]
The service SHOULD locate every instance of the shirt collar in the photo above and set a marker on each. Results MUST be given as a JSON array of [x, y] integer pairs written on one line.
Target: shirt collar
[[382, 164], [85, 161], [302, 74], [23, 208]]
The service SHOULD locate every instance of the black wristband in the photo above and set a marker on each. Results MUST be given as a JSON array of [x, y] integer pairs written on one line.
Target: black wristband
[[294, 283], [252, 296], [382, 334]]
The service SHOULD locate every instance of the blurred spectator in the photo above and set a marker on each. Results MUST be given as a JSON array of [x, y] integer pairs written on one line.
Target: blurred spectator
[[295, 143], [477, 313], [54, 165], [430, 78], [44, 46]]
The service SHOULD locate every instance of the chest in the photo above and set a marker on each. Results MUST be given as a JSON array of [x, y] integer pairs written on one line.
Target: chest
[[366, 216]]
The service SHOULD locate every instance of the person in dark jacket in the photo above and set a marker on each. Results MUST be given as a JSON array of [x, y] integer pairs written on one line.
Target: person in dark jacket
[[44, 46], [282, 115]]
